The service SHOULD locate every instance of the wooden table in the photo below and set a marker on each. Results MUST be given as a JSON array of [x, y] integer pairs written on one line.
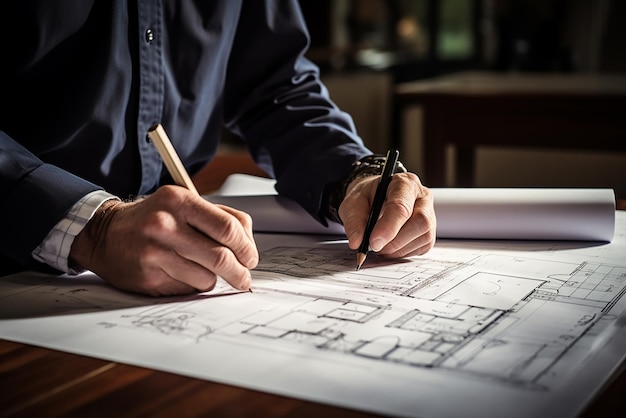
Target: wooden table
[[549, 111], [38, 382]]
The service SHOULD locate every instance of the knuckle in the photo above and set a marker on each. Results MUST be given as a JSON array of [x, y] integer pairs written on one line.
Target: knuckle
[[406, 179], [221, 258], [412, 177], [148, 258], [170, 197], [158, 223], [429, 236], [425, 248], [230, 229], [245, 219], [225, 266], [401, 206], [414, 181], [167, 193], [421, 219]]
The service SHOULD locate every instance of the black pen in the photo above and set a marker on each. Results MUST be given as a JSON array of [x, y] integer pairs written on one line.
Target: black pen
[[379, 199]]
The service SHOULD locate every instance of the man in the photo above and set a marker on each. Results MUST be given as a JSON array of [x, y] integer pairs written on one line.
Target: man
[[83, 81]]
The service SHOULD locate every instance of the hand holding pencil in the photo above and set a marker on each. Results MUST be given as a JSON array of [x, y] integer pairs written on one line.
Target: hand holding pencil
[[170, 242], [391, 214], [377, 205]]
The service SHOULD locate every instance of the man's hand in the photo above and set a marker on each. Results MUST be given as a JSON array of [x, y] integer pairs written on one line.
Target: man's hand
[[407, 223], [171, 242]]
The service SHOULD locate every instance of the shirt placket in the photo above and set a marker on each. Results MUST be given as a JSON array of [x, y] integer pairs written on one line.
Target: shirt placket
[[151, 88]]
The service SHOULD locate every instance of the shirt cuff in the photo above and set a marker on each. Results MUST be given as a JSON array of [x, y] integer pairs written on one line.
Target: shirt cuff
[[54, 250]]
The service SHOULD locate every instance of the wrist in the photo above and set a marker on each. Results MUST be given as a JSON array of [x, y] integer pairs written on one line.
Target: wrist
[[85, 245]]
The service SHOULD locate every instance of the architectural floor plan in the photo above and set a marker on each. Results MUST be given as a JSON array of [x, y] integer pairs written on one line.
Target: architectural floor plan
[[494, 317], [474, 330]]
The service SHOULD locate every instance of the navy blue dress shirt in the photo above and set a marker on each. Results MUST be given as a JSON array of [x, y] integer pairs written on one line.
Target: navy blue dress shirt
[[82, 81]]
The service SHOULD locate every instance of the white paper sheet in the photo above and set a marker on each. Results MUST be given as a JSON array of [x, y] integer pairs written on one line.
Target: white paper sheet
[[270, 212], [473, 329], [473, 213], [519, 213], [273, 213]]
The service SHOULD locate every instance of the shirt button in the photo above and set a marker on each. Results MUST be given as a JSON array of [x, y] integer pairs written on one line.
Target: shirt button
[[149, 35]]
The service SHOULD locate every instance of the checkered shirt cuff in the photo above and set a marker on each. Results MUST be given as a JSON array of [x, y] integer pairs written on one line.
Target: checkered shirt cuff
[[54, 250]]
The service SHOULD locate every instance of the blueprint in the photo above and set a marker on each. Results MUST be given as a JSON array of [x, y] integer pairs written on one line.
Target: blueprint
[[472, 328]]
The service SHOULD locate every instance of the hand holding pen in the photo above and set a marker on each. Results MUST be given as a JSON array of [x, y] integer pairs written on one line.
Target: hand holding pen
[[405, 224]]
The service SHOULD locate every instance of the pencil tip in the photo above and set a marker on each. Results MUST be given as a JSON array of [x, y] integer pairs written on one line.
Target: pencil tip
[[360, 259]]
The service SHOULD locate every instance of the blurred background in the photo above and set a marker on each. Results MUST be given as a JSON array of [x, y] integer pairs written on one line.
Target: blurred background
[[366, 49], [520, 93]]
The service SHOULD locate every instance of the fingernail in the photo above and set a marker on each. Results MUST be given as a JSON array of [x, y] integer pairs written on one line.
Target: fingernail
[[377, 244]]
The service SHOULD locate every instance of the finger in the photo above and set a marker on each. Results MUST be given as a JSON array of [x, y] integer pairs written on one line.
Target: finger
[[182, 271], [204, 234], [418, 235], [245, 219], [225, 228], [170, 287], [417, 247], [397, 210], [205, 259], [406, 244], [419, 230], [224, 263], [149, 279], [355, 208]]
